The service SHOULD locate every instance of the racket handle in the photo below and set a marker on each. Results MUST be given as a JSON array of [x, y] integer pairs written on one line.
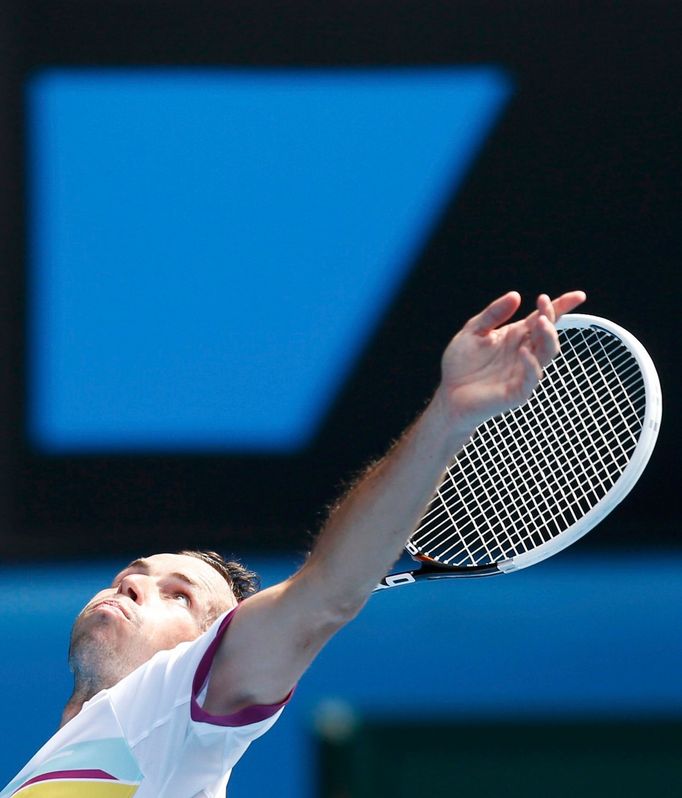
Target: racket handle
[[430, 572]]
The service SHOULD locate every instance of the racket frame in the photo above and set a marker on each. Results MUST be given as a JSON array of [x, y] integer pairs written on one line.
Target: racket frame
[[432, 569]]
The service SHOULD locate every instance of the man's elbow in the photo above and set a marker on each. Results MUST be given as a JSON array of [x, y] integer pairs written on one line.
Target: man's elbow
[[343, 609], [329, 605]]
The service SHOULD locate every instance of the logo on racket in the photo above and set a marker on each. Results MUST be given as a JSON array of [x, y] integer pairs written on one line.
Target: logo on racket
[[395, 580]]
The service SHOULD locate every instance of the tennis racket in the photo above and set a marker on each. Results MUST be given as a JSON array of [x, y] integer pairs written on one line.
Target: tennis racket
[[535, 479]]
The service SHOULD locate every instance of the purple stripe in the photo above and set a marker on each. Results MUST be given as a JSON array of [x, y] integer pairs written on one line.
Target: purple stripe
[[243, 717], [70, 774]]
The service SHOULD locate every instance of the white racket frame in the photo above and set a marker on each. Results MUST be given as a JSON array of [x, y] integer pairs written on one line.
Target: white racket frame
[[640, 456]]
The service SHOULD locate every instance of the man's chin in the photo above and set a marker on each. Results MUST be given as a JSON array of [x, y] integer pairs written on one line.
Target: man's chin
[[104, 633], [103, 653], [109, 609]]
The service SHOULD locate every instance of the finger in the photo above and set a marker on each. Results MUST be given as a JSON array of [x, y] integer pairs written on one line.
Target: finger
[[498, 312], [544, 340], [532, 372], [553, 310], [546, 307], [567, 302]]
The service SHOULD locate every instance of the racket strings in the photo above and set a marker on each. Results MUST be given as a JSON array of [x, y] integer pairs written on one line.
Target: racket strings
[[528, 475], [501, 472]]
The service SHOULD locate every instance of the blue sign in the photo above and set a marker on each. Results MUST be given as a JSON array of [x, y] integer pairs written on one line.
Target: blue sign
[[210, 249]]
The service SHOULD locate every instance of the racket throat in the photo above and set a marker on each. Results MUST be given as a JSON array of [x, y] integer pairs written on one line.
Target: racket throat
[[433, 569]]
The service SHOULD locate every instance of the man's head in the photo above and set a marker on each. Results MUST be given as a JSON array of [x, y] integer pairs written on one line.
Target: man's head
[[154, 603]]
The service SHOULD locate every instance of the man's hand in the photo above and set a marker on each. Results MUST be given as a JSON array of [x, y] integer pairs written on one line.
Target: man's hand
[[491, 366]]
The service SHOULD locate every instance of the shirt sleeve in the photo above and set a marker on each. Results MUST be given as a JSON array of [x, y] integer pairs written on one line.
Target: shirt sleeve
[[246, 716], [179, 745]]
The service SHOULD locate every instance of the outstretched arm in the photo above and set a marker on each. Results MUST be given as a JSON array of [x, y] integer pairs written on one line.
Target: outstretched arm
[[490, 366]]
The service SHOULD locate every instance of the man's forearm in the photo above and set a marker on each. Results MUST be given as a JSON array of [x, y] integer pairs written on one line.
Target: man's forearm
[[368, 528], [488, 367]]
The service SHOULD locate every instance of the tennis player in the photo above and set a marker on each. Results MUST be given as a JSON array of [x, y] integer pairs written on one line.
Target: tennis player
[[179, 664]]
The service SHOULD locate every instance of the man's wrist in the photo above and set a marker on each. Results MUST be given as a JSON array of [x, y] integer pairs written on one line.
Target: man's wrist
[[457, 428]]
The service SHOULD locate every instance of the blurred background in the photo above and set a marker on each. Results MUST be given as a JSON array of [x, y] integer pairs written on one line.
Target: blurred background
[[236, 239]]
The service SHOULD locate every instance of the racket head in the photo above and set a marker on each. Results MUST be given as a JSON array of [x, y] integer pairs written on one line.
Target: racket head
[[535, 479]]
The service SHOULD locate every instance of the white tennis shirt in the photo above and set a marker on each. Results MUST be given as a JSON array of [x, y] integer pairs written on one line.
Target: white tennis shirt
[[148, 736]]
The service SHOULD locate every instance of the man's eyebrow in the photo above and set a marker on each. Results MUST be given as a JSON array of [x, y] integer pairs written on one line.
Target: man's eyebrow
[[143, 565], [183, 578], [139, 563]]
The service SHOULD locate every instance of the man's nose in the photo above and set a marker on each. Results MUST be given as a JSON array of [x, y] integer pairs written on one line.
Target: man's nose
[[135, 587]]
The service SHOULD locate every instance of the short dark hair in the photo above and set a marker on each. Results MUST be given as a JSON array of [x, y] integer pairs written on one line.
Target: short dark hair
[[242, 581]]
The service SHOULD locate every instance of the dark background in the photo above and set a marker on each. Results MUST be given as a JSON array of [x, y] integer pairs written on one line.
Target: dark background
[[579, 186]]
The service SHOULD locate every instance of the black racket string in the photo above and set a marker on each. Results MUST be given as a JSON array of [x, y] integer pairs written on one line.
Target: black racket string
[[528, 475]]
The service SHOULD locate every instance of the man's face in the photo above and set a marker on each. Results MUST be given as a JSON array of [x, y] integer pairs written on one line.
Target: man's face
[[153, 604]]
